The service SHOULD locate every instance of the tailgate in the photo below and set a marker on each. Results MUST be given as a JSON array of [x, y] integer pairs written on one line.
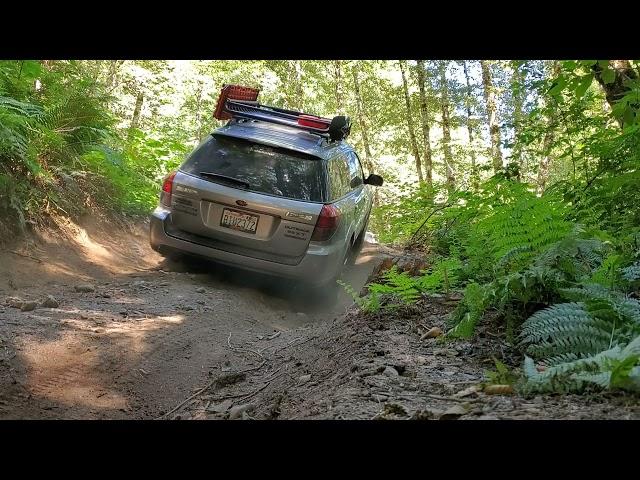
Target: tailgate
[[249, 223]]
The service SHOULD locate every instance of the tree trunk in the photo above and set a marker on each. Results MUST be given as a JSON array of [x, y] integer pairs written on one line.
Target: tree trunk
[[428, 161], [492, 115], [472, 153], [549, 139], [412, 137], [362, 120], [294, 94], [617, 89], [298, 85], [114, 66], [517, 85], [337, 71], [446, 126], [135, 120], [197, 112]]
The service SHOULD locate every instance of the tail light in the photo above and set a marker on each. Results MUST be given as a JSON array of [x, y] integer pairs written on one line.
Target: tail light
[[314, 122], [327, 223], [167, 187]]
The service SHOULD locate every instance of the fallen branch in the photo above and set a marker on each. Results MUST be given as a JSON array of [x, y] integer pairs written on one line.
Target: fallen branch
[[244, 396], [453, 399], [294, 341], [203, 389], [239, 349], [24, 255], [190, 398], [253, 368], [437, 209]]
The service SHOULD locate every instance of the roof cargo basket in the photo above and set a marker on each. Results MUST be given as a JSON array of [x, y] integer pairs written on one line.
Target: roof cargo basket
[[238, 102]]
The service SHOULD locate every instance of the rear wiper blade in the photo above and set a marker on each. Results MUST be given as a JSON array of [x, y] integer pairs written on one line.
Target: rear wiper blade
[[224, 178]]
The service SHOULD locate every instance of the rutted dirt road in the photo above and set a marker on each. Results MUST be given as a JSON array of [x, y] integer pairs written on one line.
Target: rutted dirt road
[[133, 335], [128, 335]]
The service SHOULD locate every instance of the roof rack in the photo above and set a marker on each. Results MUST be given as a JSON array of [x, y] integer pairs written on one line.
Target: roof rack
[[238, 102]]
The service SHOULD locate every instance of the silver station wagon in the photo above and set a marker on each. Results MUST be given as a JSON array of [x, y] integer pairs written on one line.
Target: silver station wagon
[[273, 191]]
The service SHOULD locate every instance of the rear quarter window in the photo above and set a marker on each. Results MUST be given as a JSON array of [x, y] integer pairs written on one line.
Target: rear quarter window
[[270, 170], [339, 179]]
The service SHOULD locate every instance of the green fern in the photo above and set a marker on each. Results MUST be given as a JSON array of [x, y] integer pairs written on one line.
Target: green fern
[[593, 342], [368, 304], [610, 369], [470, 310]]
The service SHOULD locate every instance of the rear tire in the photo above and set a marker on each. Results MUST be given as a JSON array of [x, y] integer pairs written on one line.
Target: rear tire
[[356, 248]]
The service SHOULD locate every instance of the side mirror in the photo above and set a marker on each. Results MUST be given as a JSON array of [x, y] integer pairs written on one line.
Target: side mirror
[[375, 180]]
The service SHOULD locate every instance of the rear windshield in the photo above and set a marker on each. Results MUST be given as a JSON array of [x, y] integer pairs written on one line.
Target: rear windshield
[[270, 170]]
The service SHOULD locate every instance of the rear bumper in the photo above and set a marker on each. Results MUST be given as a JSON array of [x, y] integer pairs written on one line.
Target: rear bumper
[[320, 264]]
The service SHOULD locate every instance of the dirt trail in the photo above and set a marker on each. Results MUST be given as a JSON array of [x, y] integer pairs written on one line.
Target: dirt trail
[[145, 338], [147, 333]]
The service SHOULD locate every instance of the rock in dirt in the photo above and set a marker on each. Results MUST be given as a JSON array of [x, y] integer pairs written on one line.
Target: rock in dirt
[[454, 412], [390, 372], [498, 390], [50, 302], [304, 379], [274, 411], [426, 414], [28, 306], [238, 410], [14, 302], [394, 409], [85, 288], [221, 407], [201, 290], [421, 360], [230, 379], [449, 352], [379, 398], [473, 389], [432, 333], [488, 417]]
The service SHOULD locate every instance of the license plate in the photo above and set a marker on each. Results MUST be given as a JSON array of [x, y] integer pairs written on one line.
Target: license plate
[[240, 221]]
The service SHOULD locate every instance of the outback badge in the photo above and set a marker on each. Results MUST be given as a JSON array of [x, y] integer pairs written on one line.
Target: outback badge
[[302, 216]]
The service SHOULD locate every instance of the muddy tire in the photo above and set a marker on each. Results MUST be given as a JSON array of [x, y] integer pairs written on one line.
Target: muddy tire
[[356, 248]]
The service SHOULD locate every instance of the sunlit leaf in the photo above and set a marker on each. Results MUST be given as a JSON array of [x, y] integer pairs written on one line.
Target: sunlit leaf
[[608, 75], [583, 85]]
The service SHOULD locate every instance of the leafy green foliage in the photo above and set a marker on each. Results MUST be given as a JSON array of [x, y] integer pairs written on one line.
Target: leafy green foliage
[[408, 289], [470, 310], [368, 304], [502, 375], [613, 368]]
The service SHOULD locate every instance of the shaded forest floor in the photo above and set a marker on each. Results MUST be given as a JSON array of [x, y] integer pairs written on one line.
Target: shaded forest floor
[[129, 335]]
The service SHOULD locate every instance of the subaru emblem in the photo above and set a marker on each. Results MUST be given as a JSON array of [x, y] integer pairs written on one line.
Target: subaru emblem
[[242, 203]]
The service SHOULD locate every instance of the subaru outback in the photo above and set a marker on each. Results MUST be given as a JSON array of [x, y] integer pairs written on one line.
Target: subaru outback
[[273, 191]]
